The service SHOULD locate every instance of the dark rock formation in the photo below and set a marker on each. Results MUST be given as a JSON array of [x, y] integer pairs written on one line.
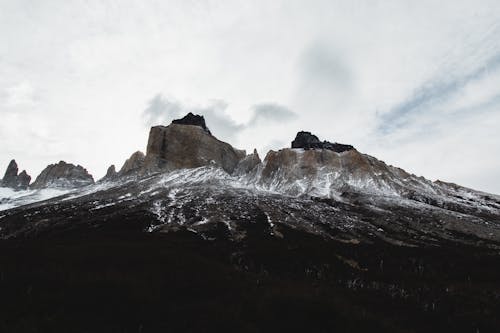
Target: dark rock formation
[[23, 180], [307, 140], [133, 165], [188, 146], [192, 119], [63, 175], [13, 180], [111, 173]]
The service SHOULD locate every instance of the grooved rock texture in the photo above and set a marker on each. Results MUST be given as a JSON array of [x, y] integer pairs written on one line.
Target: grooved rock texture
[[187, 146], [63, 175], [133, 164], [13, 180]]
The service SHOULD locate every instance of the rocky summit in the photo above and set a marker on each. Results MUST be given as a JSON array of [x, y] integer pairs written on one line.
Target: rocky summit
[[196, 235], [187, 145], [306, 140], [13, 180], [63, 175], [192, 119]]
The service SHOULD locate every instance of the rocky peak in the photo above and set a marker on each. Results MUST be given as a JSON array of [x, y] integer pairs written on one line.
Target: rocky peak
[[63, 175], [133, 164], [110, 174], [306, 140], [192, 119], [178, 146], [13, 180]]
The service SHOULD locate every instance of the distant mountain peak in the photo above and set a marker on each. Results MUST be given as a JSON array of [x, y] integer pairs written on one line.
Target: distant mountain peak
[[14, 180], [63, 175]]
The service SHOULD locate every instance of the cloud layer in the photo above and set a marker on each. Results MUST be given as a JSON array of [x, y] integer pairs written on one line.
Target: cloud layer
[[413, 83], [161, 110]]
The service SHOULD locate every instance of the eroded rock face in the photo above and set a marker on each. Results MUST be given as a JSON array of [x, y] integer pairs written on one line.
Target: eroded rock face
[[187, 146], [133, 165], [307, 140], [13, 180], [248, 164], [192, 119], [63, 175]]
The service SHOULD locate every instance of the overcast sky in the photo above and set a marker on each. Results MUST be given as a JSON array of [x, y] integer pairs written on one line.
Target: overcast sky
[[414, 83]]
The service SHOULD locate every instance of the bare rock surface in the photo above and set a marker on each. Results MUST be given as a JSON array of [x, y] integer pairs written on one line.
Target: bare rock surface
[[12, 180], [248, 164], [133, 164], [111, 174], [180, 146], [192, 119], [307, 140], [63, 175]]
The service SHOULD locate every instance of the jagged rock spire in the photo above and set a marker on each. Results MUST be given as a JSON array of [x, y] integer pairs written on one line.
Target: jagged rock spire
[[13, 180]]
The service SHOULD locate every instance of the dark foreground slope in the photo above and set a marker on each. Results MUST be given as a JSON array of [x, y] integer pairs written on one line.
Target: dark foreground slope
[[116, 278]]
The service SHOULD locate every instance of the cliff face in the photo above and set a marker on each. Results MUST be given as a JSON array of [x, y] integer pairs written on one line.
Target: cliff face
[[12, 180], [187, 146], [63, 175]]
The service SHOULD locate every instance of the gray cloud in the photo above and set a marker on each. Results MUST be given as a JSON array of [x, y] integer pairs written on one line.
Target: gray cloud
[[161, 110], [270, 112], [323, 66]]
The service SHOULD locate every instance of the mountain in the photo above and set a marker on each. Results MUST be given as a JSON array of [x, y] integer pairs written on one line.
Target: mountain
[[63, 175], [198, 235], [13, 180]]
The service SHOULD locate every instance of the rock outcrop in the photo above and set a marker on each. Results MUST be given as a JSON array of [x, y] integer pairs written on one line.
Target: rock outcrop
[[192, 119], [248, 164], [111, 174], [63, 175], [307, 140], [187, 143], [133, 165], [13, 180]]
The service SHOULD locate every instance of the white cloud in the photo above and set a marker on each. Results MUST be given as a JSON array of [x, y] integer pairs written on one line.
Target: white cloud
[[75, 78]]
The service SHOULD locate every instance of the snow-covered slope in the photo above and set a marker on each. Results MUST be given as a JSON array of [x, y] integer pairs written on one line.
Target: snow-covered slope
[[10, 198]]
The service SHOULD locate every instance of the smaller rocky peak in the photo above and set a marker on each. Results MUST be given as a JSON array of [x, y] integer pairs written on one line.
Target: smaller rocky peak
[[306, 140], [63, 175], [23, 180], [193, 119], [133, 164], [110, 174], [12, 180], [247, 164]]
